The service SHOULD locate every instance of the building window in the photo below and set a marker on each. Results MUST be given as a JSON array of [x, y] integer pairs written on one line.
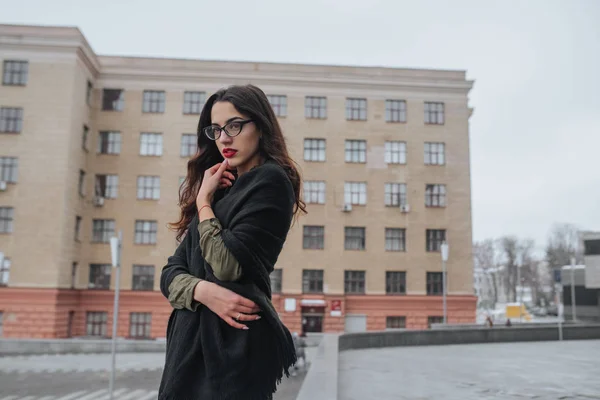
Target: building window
[[9, 169], [77, 227], [314, 149], [151, 144], [435, 195], [279, 104], [96, 323], [88, 93], [435, 153], [312, 281], [313, 237], [15, 73], [434, 113], [1, 323], [395, 111], [354, 238], [145, 232], [354, 282], [107, 186], [84, 137], [81, 183], [188, 145], [435, 238], [591, 247], [434, 320], [356, 151], [435, 283], [276, 279], [73, 274], [395, 239], [395, 152], [139, 325], [193, 102], [5, 271], [356, 109], [315, 107], [314, 192], [154, 101], [6, 219], [148, 187], [102, 230], [99, 276], [109, 142], [11, 119], [113, 99], [143, 277], [355, 193], [395, 282], [395, 194], [395, 322]]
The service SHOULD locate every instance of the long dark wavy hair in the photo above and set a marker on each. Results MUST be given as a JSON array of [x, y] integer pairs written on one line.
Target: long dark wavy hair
[[253, 103]]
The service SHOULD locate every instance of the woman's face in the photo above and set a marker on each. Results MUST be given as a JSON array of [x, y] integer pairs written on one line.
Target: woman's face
[[241, 151]]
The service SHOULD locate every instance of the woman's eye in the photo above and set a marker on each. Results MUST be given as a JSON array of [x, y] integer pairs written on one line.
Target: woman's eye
[[234, 126]]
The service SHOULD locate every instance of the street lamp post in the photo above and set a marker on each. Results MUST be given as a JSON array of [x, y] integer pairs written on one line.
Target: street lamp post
[[573, 305], [115, 250], [444, 251]]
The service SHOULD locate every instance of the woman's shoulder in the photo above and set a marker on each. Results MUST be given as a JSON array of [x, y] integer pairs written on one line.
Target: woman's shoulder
[[270, 171]]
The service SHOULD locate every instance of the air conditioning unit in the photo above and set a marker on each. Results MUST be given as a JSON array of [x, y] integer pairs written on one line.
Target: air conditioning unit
[[98, 201], [347, 207], [3, 186], [404, 208]]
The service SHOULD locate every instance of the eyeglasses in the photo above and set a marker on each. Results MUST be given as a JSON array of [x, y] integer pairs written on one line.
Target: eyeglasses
[[231, 129]]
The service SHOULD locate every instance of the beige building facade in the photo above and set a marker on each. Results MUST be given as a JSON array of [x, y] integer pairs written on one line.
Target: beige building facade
[[91, 145]]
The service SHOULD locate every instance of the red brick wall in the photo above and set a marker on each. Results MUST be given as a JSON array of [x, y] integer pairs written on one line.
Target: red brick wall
[[43, 313]]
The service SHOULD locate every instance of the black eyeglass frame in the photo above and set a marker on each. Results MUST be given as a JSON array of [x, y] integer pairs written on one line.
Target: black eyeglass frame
[[220, 129]]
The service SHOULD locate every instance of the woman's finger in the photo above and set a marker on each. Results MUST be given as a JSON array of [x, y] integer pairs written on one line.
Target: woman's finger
[[221, 168], [233, 323], [245, 317], [244, 310], [225, 182], [228, 175]]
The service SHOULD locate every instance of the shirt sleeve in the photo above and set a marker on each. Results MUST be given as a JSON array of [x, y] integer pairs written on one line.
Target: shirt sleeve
[[181, 292], [225, 266]]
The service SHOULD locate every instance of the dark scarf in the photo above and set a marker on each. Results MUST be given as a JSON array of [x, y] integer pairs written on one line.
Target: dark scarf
[[206, 358]]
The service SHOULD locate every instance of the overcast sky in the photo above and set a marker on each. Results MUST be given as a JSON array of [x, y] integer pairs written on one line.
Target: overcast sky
[[535, 133]]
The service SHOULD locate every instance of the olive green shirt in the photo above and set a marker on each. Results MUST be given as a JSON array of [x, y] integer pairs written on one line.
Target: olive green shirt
[[225, 266]]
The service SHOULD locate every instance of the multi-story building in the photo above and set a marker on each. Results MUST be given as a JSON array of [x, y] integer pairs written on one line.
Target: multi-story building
[[91, 145]]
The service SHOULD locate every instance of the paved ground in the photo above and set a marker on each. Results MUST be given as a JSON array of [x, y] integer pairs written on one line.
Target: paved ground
[[541, 370], [85, 377]]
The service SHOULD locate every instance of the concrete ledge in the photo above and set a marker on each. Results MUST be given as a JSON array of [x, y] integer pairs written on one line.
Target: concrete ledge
[[321, 381], [10, 347], [476, 335]]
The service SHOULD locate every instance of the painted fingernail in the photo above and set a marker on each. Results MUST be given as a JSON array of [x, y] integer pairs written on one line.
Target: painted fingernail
[[258, 317], [245, 328]]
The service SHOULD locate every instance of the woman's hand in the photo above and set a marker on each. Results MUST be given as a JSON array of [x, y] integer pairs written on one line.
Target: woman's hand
[[228, 305], [216, 177]]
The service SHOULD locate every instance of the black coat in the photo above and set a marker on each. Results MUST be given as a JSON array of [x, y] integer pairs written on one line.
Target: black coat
[[206, 358]]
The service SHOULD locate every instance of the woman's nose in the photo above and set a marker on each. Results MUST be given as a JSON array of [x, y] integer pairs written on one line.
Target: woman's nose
[[224, 138]]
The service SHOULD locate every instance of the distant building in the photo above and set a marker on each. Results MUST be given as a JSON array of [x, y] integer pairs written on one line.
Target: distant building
[[586, 280], [92, 144]]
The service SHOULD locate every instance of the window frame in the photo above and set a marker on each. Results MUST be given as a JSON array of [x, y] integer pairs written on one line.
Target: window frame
[[437, 157], [312, 147], [11, 120], [356, 108], [276, 278], [9, 169], [151, 144], [188, 145], [193, 102], [355, 282], [315, 107], [109, 143], [148, 187], [102, 230], [433, 243], [143, 236], [117, 105], [395, 111], [355, 193], [99, 276], [434, 283], [434, 113], [154, 101], [390, 237], [355, 238], [313, 281], [395, 150], [395, 282], [95, 319], [355, 151], [313, 237], [140, 322], [143, 280], [315, 192], [436, 195], [15, 77], [278, 103]]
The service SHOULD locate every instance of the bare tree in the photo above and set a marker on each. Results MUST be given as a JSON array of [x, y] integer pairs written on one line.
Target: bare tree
[[509, 253], [486, 259], [563, 243]]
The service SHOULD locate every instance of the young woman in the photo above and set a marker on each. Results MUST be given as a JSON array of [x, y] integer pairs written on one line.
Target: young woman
[[224, 338]]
